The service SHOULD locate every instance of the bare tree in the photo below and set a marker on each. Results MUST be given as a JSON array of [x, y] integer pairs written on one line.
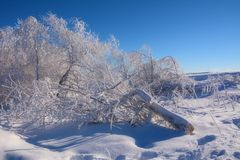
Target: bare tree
[[70, 75]]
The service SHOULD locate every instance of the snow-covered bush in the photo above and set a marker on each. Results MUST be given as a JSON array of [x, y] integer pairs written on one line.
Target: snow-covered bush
[[55, 71]]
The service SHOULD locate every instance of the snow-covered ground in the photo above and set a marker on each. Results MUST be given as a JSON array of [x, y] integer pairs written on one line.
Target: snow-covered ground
[[216, 136]]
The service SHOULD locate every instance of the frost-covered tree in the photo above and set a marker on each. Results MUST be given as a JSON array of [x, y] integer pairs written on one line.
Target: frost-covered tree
[[56, 71]]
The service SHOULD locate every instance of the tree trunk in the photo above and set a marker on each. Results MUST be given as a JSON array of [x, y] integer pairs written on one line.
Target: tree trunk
[[36, 61], [175, 120], [37, 67]]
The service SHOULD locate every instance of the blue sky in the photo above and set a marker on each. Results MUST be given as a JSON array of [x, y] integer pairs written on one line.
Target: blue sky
[[203, 35]]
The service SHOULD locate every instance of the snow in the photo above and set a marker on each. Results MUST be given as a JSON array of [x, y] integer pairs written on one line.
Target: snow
[[13, 147], [216, 136]]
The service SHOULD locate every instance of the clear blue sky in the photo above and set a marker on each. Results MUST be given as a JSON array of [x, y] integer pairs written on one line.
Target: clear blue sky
[[203, 35]]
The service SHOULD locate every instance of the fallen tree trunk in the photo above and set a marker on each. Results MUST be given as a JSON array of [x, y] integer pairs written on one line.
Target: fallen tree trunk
[[175, 120]]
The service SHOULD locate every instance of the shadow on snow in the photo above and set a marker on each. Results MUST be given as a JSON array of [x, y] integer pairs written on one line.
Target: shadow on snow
[[68, 136]]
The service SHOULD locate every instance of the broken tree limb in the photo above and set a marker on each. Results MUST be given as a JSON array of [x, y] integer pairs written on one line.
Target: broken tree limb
[[175, 120]]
